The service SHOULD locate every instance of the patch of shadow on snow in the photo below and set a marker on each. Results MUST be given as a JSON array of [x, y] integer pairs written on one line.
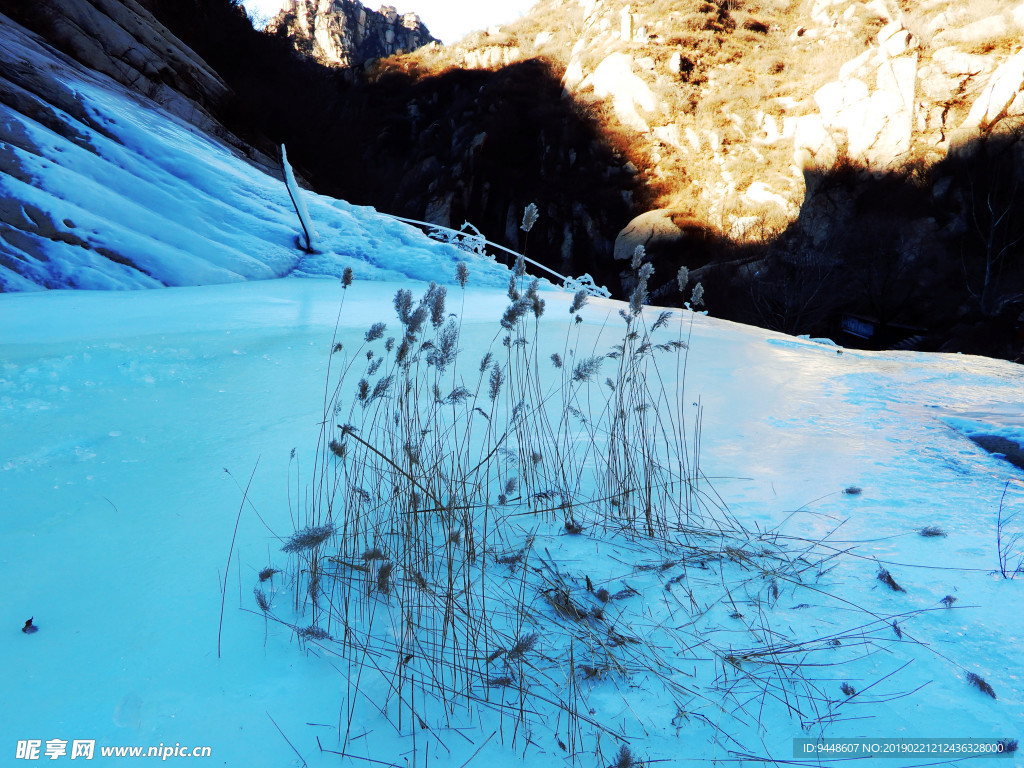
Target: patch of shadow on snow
[[1002, 447]]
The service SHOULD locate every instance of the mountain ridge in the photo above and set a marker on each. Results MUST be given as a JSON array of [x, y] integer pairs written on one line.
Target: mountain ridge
[[347, 33]]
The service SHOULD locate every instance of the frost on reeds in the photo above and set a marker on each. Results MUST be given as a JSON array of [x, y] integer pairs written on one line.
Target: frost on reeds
[[529, 217], [308, 538], [313, 633], [461, 512], [261, 599], [523, 645], [268, 573]]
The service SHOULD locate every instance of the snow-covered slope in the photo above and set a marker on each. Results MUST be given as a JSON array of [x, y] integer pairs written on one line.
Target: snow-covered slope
[[103, 189]]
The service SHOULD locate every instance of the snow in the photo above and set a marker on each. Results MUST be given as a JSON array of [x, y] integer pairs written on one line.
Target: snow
[[176, 207], [132, 421]]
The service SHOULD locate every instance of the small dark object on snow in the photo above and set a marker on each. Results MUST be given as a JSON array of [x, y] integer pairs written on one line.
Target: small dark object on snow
[[948, 601], [979, 682], [625, 759], [852, 490], [886, 578], [29, 627]]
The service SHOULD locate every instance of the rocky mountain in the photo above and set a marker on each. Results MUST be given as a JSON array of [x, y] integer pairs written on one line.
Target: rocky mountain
[[348, 34], [839, 168], [823, 166], [754, 96]]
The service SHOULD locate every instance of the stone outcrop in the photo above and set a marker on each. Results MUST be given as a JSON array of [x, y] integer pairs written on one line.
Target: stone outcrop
[[872, 103], [346, 33], [630, 96], [123, 40], [1001, 97], [903, 90], [491, 57]]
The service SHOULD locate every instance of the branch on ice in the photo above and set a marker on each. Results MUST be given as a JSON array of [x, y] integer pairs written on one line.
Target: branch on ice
[[300, 205]]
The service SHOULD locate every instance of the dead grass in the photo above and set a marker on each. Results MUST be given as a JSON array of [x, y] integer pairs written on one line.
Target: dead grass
[[454, 589], [441, 591]]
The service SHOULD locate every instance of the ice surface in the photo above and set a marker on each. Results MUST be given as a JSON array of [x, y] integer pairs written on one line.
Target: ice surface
[[122, 411]]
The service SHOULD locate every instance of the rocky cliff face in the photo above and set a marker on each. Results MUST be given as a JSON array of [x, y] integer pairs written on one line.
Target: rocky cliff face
[[346, 33], [480, 146], [123, 40], [473, 146], [776, 141], [84, 199], [748, 97]]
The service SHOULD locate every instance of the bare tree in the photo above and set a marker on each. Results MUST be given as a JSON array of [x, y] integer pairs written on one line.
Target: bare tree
[[995, 215]]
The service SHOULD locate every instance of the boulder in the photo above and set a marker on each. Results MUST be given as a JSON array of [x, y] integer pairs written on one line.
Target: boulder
[[491, 57], [760, 193], [626, 24], [669, 135], [813, 145], [975, 33], [655, 230], [894, 40], [950, 60]]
